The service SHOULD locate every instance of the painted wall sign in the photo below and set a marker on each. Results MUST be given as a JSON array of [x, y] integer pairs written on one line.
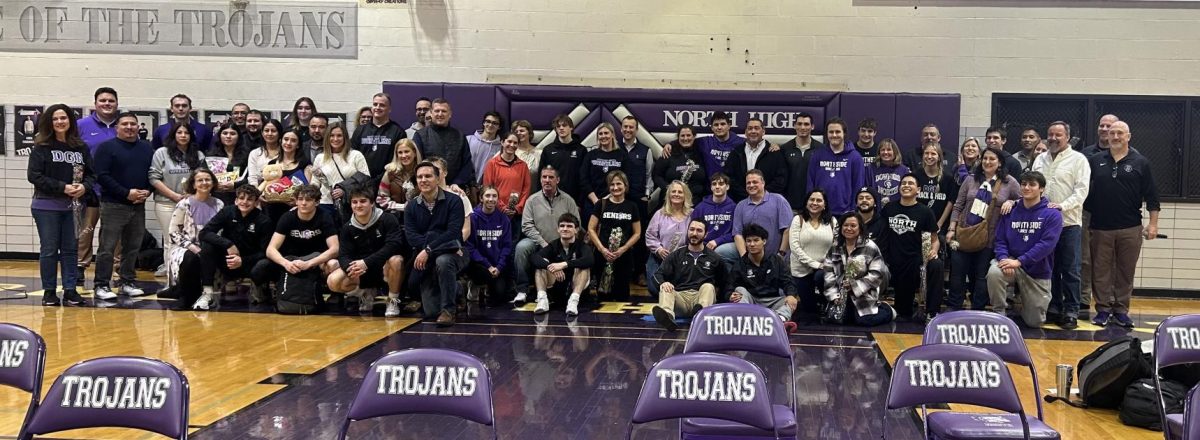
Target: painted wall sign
[[277, 30]]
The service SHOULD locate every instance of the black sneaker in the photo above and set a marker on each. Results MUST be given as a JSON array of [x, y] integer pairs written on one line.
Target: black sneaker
[[664, 318], [50, 299], [72, 298], [1068, 323], [1054, 316]]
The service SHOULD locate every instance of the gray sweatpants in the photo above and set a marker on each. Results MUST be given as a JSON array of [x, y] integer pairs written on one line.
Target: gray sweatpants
[[1035, 294], [775, 303]]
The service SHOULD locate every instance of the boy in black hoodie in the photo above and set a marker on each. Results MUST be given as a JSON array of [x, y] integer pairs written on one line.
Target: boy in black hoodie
[[233, 242], [367, 258]]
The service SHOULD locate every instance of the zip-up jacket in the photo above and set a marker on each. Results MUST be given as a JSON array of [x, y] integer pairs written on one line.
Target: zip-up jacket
[[577, 256], [447, 143], [770, 279], [539, 221], [250, 233], [686, 272], [373, 242]]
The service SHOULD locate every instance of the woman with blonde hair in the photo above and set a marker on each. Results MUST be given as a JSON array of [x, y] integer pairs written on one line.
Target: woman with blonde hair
[[886, 174], [397, 185], [528, 153], [968, 158], [335, 164], [938, 188], [667, 230]]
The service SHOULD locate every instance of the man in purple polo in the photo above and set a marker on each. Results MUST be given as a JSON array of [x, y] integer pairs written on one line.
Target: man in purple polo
[[95, 128], [769, 210]]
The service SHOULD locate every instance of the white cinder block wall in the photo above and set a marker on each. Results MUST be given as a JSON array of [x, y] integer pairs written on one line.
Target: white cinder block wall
[[973, 51]]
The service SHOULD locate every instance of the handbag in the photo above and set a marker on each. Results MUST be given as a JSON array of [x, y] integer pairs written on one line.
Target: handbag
[[976, 237], [357, 180]]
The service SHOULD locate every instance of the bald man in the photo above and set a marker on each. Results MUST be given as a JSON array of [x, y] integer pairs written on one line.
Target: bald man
[[1085, 272], [1121, 183]]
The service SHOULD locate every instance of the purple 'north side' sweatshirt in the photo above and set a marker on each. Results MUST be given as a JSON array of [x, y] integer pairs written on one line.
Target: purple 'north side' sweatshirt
[[841, 175], [718, 218], [490, 243], [1030, 235]]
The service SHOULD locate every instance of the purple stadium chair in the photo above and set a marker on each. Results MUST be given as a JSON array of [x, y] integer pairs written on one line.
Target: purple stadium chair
[[393, 387], [116, 392], [949, 373], [665, 394], [1176, 341], [995, 333], [1191, 419], [22, 363], [711, 331]]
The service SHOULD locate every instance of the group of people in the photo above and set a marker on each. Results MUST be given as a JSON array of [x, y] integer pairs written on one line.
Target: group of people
[[807, 228]]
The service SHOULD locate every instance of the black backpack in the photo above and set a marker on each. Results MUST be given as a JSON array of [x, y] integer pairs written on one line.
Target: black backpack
[[1105, 374], [1140, 407], [298, 293]]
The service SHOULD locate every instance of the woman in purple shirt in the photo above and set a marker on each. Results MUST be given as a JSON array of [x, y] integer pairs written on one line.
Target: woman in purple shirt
[[667, 230]]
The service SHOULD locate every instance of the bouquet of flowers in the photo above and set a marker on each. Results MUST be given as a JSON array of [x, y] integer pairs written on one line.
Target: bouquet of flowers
[[855, 268], [614, 242]]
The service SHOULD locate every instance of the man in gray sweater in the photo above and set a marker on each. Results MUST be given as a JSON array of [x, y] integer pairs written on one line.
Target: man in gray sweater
[[539, 222]]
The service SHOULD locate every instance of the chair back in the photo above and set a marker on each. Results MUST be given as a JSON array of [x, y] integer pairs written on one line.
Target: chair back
[[736, 326], [425, 381], [709, 385], [22, 364], [1176, 342], [948, 373], [118, 392], [990, 331], [1191, 415]]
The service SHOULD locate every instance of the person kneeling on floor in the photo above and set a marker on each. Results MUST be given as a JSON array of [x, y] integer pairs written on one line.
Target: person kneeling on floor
[[433, 223], [490, 246], [565, 263], [368, 258], [233, 242], [305, 238], [1025, 242], [764, 279], [689, 278], [855, 275]]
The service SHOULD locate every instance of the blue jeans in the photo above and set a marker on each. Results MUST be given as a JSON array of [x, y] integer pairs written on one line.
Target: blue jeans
[[968, 271], [522, 260], [1064, 282], [652, 264], [439, 287], [56, 234]]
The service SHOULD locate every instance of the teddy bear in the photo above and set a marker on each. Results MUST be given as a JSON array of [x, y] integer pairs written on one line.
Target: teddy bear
[[276, 187]]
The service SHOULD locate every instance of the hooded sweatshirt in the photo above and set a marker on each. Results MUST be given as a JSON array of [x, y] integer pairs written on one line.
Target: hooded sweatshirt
[[482, 151], [491, 240], [841, 175], [373, 242], [718, 218], [716, 152], [1030, 235], [171, 173]]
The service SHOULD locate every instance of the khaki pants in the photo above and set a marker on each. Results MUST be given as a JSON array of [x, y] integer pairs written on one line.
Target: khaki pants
[[1114, 261], [680, 303], [544, 281], [1034, 294]]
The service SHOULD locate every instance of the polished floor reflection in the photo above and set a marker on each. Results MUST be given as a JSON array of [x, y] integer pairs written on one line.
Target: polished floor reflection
[[258, 375]]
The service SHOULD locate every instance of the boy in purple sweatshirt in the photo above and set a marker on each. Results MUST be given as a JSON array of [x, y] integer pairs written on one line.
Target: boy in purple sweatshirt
[[716, 211], [837, 169], [717, 148], [490, 247], [1025, 241]]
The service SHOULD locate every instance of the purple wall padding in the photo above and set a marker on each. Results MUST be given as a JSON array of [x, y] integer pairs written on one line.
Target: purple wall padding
[[899, 115]]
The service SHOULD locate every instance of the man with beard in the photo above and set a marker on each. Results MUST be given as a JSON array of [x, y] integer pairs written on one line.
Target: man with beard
[[905, 222], [929, 134], [253, 135], [797, 153], [689, 279], [423, 105], [865, 203], [377, 139], [316, 136], [756, 154], [238, 115], [837, 169], [439, 139]]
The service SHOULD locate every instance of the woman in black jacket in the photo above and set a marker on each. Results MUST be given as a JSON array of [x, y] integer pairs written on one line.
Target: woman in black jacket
[[60, 169], [686, 164]]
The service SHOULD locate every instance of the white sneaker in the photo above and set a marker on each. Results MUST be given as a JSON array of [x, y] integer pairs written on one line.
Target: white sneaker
[[472, 291], [543, 305], [393, 308], [519, 299], [573, 305], [103, 292], [366, 300], [130, 290], [206, 300], [161, 271]]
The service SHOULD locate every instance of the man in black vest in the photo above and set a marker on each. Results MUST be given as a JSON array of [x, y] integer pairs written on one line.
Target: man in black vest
[[641, 184], [439, 139]]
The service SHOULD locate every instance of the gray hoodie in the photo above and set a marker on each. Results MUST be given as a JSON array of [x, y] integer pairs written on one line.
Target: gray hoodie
[[169, 172]]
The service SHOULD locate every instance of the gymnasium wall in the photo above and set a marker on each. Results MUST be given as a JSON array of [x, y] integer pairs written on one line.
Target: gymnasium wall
[[817, 45]]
